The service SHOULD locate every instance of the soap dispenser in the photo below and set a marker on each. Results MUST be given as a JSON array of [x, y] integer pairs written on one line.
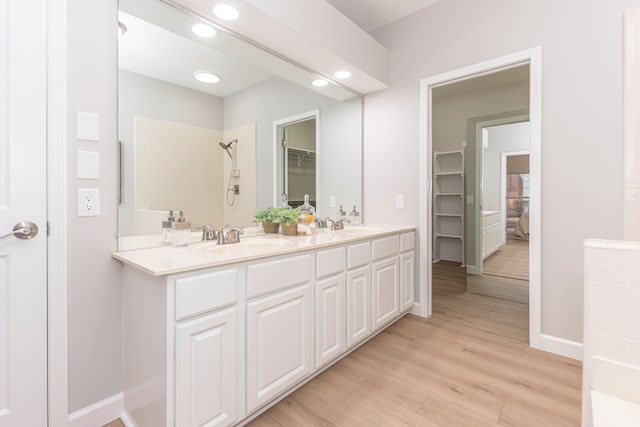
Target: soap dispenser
[[166, 229], [180, 231], [354, 216]]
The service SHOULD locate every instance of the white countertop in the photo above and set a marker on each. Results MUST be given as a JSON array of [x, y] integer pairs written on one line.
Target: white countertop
[[169, 260]]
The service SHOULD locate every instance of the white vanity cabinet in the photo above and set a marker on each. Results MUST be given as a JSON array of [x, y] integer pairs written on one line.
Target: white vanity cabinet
[[358, 293], [184, 352], [385, 280], [330, 340], [216, 346], [279, 326], [407, 271]]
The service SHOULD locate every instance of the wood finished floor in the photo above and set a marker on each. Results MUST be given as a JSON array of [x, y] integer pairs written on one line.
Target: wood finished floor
[[425, 372], [511, 260]]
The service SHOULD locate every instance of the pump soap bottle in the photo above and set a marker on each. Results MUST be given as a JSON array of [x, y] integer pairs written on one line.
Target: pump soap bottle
[[166, 229]]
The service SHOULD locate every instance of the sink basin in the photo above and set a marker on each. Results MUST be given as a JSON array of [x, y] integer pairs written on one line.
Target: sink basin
[[251, 245]]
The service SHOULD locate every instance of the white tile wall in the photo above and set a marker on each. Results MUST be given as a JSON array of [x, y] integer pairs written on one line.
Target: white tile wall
[[612, 319]]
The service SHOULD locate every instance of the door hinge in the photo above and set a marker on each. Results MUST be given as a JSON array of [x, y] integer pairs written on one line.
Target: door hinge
[[48, 232]]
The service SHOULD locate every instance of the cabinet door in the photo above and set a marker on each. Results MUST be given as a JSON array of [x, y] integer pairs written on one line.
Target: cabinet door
[[207, 370], [329, 322], [358, 291], [279, 343], [407, 279], [386, 291]]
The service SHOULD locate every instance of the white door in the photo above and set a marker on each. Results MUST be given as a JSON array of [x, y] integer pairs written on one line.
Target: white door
[[23, 270], [329, 324], [386, 291], [207, 370], [358, 305], [279, 343]]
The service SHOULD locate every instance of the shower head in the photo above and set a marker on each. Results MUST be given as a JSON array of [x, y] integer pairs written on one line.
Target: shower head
[[226, 147]]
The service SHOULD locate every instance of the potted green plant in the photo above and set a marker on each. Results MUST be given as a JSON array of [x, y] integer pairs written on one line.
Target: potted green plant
[[269, 219], [288, 219]]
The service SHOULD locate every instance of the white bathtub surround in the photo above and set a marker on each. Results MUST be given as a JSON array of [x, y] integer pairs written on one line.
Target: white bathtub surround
[[611, 332]]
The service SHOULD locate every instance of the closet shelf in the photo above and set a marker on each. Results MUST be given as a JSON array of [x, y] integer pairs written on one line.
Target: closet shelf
[[437, 174], [448, 194], [452, 215], [449, 236], [446, 153]]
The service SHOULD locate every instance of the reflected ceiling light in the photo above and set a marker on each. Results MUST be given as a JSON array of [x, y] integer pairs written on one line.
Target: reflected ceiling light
[[203, 30], [343, 74], [121, 28], [320, 82], [206, 77], [226, 12]]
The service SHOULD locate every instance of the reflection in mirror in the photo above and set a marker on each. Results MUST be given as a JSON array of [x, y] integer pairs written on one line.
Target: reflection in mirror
[[211, 144]]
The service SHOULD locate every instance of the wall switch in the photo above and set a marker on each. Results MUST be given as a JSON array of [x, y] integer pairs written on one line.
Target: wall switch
[[235, 173], [469, 200], [88, 202], [87, 126], [332, 201], [88, 165], [399, 201]]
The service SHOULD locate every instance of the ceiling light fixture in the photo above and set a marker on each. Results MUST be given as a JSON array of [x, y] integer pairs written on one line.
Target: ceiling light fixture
[[343, 74], [121, 28], [226, 12], [203, 30], [206, 77], [320, 82]]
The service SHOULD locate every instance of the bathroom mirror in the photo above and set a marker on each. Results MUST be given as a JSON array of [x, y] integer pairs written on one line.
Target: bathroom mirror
[[212, 149]]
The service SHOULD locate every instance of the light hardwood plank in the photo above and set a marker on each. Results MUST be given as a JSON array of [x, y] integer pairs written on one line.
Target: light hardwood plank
[[511, 260], [426, 372]]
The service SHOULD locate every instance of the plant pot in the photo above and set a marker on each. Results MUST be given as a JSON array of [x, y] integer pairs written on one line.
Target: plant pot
[[290, 230], [270, 227]]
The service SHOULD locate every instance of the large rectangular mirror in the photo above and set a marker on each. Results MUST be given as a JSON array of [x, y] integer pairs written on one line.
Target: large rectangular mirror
[[219, 150]]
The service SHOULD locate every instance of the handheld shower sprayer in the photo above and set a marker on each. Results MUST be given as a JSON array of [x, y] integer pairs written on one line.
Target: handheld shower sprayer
[[227, 147]]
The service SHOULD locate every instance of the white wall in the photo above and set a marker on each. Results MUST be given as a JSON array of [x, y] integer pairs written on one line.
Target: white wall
[[581, 113], [502, 139], [94, 284]]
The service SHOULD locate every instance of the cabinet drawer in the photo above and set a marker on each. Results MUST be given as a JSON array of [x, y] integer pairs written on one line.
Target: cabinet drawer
[[358, 255], [383, 248], [329, 262], [270, 276], [205, 292], [407, 242]]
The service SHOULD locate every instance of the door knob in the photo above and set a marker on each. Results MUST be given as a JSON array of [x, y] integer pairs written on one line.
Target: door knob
[[23, 230]]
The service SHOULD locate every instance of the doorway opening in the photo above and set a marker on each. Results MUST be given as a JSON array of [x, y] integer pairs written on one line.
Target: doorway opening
[[296, 141], [479, 123]]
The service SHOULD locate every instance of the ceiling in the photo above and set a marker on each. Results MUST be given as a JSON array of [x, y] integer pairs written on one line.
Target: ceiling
[[373, 14]]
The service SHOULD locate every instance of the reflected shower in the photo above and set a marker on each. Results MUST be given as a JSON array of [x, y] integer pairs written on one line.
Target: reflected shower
[[227, 147]]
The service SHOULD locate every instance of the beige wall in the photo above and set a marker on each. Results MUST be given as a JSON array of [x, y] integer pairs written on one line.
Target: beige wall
[[95, 289], [581, 113]]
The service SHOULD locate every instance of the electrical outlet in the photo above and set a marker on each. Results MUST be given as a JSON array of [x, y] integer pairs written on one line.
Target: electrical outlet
[[332, 201], [399, 201], [88, 202]]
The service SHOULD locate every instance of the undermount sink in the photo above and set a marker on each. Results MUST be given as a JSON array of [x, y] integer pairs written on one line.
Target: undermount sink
[[251, 245]]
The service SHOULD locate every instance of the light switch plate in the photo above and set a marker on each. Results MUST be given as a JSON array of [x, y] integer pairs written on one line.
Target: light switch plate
[[87, 126], [88, 165], [88, 202], [332, 201], [399, 201]]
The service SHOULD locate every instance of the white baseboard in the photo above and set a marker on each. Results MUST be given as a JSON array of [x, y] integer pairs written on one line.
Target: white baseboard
[[415, 309], [100, 413], [561, 346], [126, 420]]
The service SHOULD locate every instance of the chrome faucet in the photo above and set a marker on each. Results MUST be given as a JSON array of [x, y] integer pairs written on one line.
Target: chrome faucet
[[339, 223], [208, 232], [320, 222], [231, 236], [328, 220]]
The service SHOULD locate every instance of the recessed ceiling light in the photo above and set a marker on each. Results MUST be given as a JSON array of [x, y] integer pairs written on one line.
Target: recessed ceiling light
[[226, 12], [203, 30], [121, 28], [342, 74], [320, 82], [206, 77]]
